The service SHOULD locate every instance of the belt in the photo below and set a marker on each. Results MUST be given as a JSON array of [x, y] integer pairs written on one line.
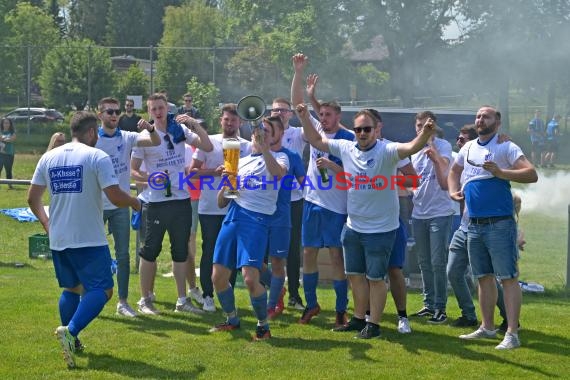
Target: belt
[[489, 220]]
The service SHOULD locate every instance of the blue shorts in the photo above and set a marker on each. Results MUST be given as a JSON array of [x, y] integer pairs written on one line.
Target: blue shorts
[[493, 249], [279, 241], [242, 240], [367, 254], [398, 255], [321, 227], [88, 266]]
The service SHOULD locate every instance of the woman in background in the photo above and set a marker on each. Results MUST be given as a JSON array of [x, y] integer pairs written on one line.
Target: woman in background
[[7, 138]]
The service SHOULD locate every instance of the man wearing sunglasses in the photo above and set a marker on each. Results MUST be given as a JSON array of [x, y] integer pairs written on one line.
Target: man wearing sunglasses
[[166, 211], [118, 145], [370, 230], [129, 120], [492, 229]]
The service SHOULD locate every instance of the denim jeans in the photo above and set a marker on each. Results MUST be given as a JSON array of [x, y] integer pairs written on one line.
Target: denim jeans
[[457, 268], [119, 221], [431, 237]]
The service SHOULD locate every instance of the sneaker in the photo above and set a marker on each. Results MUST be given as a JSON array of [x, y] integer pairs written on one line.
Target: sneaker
[[273, 313], [262, 333], [341, 319], [308, 314], [187, 307], [224, 326], [480, 333], [126, 310], [404, 325], [509, 342], [146, 306], [354, 324], [280, 304], [79, 347], [196, 295], [438, 318], [67, 342], [504, 326], [296, 303], [424, 312], [209, 304], [463, 321], [369, 331]]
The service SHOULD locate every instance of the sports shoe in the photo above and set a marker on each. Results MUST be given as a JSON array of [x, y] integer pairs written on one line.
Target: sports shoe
[[509, 342], [463, 321], [424, 312], [67, 342], [369, 331], [209, 304], [79, 347], [438, 318], [308, 314], [504, 326], [296, 303], [126, 310], [341, 319], [146, 306], [224, 326], [404, 325], [280, 304], [196, 295], [262, 333], [480, 333], [354, 324], [273, 313], [187, 307]]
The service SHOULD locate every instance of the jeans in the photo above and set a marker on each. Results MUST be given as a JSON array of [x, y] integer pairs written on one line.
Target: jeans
[[457, 268], [119, 220], [432, 236]]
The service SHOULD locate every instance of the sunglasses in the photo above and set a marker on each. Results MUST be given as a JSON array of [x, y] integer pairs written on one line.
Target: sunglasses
[[169, 142], [110, 112], [471, 162], [188, 100], [366, 129], [280, 110], [460, 138]]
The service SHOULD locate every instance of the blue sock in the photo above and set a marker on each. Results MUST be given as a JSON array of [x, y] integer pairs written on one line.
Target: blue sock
[[265, 277], [260, 306], [91, 304], [310, 281], [228, 301], [275, 291], [341, 290], [68, 302]]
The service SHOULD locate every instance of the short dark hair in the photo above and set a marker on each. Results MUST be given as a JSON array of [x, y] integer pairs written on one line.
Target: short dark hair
[[275, 120], [368, 113], [375, 113], [282, 100], [332, 104], [107, 100], [425, 115], [83, 121], [230, 108], [157, 96], [187, 95], [469, 130]]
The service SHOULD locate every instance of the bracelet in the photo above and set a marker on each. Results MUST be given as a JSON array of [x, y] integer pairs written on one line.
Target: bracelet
[[153, 128]]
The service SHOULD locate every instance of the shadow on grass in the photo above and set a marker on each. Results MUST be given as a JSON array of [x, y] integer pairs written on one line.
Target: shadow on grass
[[16, 265], [137, 369]]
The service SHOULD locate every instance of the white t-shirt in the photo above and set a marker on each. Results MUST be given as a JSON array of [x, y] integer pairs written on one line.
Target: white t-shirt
[[160, 158], [118, 147], [456, 205], [294, 141], [75, 175], [210, 184], [370, 209], [326, 195], [253, 177], [430, 200]]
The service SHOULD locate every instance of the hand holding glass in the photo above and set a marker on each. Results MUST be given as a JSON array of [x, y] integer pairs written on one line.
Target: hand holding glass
[[231, 148]]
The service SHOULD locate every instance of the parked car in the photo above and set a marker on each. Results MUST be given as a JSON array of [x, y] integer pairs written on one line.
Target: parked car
[[34, 114]]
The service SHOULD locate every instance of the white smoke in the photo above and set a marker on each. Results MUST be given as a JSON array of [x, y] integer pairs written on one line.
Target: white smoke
[[549, 196]]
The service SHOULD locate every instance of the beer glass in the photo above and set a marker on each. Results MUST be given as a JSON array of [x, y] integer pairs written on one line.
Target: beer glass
[[231, 147]]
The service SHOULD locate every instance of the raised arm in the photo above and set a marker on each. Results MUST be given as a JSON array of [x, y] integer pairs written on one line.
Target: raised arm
[[312, 80], [202, 142], [152, 139], [299, 62], [311, 135], [414, 146]]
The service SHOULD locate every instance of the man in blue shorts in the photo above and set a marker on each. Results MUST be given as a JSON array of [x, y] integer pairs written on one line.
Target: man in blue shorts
[[243, 238], [368, 236], [76, 174], [486, 168]]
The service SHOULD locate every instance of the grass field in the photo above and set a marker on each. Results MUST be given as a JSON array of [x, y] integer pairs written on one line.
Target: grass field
[[179, 346]]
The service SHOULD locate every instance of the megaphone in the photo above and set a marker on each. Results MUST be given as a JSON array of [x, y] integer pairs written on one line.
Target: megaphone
[[252, 109]]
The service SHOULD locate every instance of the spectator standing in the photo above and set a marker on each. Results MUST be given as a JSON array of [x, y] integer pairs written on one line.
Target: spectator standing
[[129, 120], [552, 133], [7, 138], [536, 133], [188, 107]]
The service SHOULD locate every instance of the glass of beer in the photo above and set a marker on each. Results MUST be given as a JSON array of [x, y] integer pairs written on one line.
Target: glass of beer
[[231, 147]]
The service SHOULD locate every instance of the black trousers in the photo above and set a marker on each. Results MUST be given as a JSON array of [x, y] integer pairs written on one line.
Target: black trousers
[[294, 258]]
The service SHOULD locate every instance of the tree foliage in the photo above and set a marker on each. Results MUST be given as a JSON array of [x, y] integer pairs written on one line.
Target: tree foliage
[[133, 82], [67, 70], [206, 97]]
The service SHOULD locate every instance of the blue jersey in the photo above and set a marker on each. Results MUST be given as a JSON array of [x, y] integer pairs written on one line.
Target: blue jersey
[[282, 216]]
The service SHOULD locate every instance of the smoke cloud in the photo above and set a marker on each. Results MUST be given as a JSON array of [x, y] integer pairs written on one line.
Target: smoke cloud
[[549, 196]]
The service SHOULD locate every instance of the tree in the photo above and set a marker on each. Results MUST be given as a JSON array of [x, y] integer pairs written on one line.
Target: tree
[[206, 97], [133, 82], [87, 19], [71, 70]]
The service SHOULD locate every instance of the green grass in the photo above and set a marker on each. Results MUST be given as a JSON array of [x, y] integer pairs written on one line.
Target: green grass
[[179, 346]]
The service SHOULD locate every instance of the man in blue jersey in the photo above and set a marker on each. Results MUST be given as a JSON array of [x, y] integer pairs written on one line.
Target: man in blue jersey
[[369, 169], [487, 168], [243, 238], [75, 174]]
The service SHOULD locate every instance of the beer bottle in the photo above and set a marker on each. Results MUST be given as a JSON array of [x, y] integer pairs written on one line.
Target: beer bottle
[[168, 192], [323, 171]]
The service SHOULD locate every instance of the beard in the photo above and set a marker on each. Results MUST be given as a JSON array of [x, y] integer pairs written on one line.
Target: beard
[[486, 130]]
